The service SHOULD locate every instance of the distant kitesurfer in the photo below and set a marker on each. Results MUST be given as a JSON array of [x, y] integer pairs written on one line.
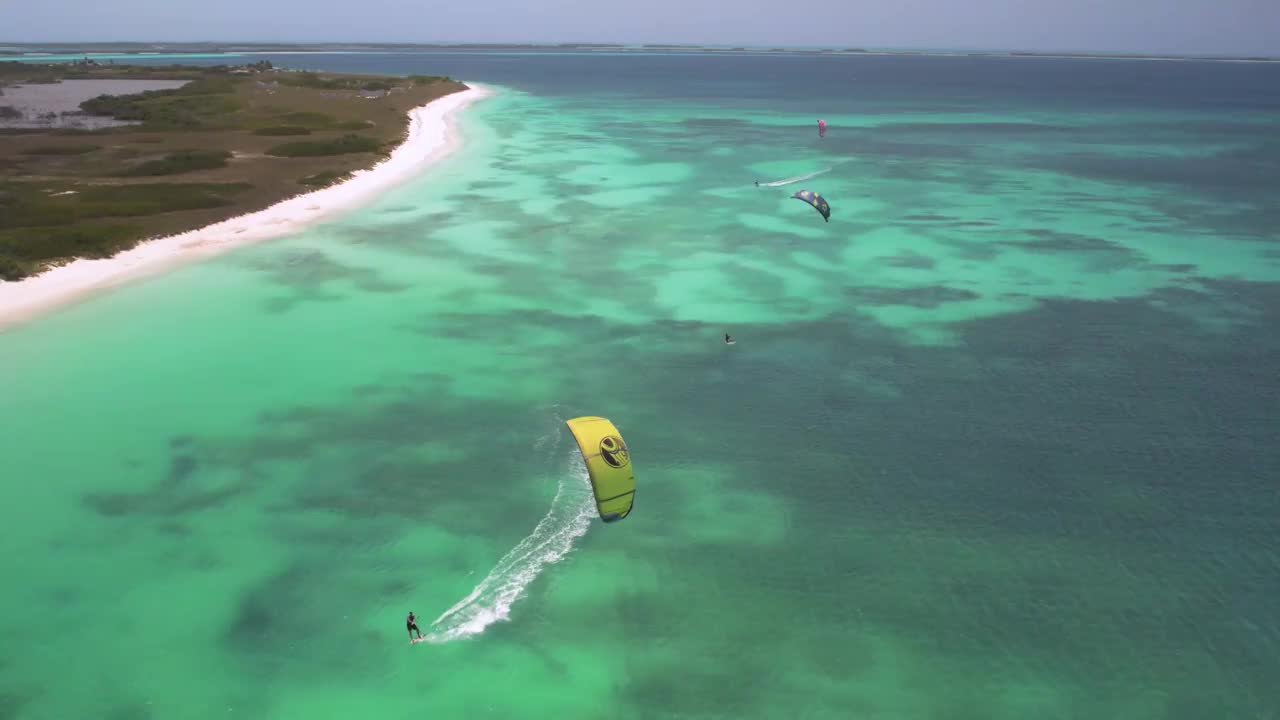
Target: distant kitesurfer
[[412, 624], [727, 340], [757, 183]]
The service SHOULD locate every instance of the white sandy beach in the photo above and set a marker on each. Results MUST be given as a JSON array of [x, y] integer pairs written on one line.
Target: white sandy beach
[[432, 135]]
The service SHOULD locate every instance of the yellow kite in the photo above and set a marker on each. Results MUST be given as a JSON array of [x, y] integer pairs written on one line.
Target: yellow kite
[[609, 463]]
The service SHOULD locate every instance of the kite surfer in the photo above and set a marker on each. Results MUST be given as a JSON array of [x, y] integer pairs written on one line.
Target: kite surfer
[[757, 183], [728, 340], [412, 624]]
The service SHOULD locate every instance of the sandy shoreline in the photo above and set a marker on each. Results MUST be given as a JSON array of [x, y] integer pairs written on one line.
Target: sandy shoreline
[[432, 135]]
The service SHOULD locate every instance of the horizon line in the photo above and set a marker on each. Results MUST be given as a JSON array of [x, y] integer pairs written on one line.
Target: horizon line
[[631, 44]]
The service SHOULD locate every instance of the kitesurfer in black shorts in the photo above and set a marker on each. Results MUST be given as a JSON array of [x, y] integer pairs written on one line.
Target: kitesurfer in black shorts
[[412, 624]]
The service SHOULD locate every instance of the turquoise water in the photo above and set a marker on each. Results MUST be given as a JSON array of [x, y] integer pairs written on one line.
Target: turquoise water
[[998, 441]]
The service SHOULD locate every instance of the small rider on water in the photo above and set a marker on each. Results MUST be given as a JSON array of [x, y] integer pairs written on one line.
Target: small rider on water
[[727, 339], [412, 624]]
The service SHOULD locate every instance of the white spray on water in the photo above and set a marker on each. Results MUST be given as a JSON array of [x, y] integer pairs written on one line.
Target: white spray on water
[[796, 179], [570, 516]]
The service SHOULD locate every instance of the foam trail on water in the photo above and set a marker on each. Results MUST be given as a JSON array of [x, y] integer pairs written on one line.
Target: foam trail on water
[[796, 179], [569, 518]]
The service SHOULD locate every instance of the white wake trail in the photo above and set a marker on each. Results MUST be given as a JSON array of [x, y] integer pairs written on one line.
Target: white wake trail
[[570, 516], [796, 179]]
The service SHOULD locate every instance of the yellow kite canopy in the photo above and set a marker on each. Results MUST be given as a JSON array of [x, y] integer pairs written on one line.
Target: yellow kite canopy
[[609, 463]]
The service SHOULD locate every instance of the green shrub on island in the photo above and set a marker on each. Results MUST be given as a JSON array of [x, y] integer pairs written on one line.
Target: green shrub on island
[[123, 107], [11, 269], [39, 226], [203, 103], [312, 120], [311, 80], [19, 259], [318, 121], [348, 143], [209, 86], [61, 149], [30, 205], [323, 179], [282, 130], [179, 162], [314, 81]]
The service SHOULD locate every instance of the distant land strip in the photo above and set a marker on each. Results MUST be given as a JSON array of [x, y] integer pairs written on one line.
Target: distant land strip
[[26, 49]]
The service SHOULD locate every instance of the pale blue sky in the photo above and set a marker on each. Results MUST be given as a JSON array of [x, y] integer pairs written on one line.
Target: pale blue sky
[[1188, 26]]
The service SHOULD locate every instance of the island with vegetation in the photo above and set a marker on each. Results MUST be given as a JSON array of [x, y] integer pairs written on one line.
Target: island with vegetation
[[182, 148]]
